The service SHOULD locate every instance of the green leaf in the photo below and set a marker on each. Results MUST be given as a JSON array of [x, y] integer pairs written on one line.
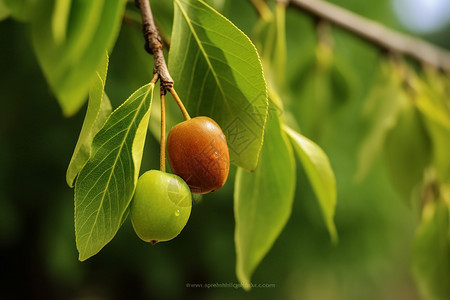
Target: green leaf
[[99, 108], [263, 201], [106, 183], [380, 114], [280, 51], [70, 41], [312, 93], [431, 252], [4, 10], [318, 169], [20, 9], [60, 20], [342, 82], [435, 109], [407, 142], [217, 73]]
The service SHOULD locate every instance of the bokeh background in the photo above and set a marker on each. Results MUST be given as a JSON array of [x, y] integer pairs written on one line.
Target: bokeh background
[[38, 256]]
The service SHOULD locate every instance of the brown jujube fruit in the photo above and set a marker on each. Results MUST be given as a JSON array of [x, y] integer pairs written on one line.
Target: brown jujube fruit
[[198, 152]]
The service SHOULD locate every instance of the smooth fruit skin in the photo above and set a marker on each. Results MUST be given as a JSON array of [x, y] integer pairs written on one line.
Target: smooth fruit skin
[[161, 206], [198, 152]]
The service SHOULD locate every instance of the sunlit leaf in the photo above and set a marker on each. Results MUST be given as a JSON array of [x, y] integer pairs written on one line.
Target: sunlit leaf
[[280, 51], [320, 174], [70, 42], [431, 252], [98, 110], [263, 201], [217, 73], [60, 20], [435, 108], [105, 185]]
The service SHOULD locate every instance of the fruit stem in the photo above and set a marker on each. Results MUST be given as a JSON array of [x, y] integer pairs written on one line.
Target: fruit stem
[[162, 155], [180, 103]]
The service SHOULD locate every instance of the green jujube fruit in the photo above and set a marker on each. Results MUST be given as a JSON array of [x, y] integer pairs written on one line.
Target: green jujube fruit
[[161, 206]]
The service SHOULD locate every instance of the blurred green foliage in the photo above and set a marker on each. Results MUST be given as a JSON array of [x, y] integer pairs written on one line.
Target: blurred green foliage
[[37, 242]]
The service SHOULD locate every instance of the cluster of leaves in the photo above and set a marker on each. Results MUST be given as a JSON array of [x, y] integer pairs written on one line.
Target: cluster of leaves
[[219, 72], [405, 120], [229, 86], [408, 122]]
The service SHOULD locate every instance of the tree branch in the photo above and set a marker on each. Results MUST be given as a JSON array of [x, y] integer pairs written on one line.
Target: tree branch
[[376, 33], [153, 43]]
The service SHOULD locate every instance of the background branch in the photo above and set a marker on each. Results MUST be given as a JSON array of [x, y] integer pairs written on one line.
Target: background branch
[[153, 43], [376, 33]]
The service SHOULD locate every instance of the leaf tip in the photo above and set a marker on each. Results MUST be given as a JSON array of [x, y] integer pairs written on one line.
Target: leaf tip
[[333, 235], [82, 258], [82, 255], [85, 255], [66, 112], [70, 104], [70, 180], [243, 279]]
